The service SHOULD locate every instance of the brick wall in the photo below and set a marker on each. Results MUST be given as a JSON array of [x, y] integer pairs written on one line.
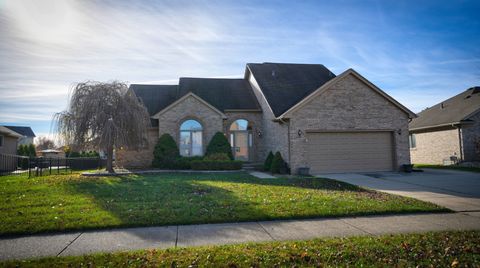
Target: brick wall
[[137, 158], [349, 104], [435, 146]]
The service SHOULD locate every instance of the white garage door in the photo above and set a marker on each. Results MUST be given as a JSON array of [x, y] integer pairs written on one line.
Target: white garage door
[[349, 152]]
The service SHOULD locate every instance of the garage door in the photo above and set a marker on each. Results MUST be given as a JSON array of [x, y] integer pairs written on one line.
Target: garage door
[[349, 152]]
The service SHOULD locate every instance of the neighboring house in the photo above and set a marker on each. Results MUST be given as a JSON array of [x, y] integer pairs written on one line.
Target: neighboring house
[[448, 132], [51, 153], [26, 132], [311, 116], [8, 140]]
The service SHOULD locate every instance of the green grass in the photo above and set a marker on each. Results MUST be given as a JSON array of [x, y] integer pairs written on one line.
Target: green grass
[[454, 167], [442, 249], [72, 202]]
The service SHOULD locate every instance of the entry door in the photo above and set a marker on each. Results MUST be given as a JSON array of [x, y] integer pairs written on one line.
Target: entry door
[[239, 142]]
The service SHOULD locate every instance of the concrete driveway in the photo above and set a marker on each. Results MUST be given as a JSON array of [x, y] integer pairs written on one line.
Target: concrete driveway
[[456, 190]]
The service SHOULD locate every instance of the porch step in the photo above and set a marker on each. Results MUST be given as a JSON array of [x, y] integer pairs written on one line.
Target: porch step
[[251, 165]]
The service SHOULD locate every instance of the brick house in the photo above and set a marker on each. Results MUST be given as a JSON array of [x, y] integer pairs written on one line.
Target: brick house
[[448, 132], [311, 116]]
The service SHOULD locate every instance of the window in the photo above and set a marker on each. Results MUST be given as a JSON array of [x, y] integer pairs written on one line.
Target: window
[[191, 138], [1, 140], [412, 141]]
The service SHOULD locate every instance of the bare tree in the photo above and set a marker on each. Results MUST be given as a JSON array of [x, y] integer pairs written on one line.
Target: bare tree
[[43, 143], [103, 116]]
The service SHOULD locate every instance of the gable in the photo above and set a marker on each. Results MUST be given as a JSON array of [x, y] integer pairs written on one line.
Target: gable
[[349, 103], [189, 102], [356, 81]]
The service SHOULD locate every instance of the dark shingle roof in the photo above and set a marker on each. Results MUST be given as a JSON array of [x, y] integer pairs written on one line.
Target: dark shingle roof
[[223, 94], [155, 97], [285, 84], [24, 131], [456, 109]]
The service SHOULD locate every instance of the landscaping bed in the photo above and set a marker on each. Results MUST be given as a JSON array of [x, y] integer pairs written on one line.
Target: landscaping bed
[[73, 202], [442, 249]]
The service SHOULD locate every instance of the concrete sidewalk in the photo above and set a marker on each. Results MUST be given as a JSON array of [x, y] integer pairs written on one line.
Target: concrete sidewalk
[[80, 243]]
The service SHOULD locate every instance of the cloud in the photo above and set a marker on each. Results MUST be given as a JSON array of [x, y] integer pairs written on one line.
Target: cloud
[[49, 45]]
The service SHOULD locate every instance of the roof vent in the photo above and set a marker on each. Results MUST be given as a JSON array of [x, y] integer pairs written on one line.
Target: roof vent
[[273, 73], [442, 106]]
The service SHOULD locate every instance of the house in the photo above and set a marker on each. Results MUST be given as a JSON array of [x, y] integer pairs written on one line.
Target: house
[[448, 132], [8, 140], [26, 132], [311, 116], [51, 153]]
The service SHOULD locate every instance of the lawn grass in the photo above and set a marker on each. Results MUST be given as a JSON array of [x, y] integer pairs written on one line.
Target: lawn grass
[[73, 202], [454, 167], [442, 249]]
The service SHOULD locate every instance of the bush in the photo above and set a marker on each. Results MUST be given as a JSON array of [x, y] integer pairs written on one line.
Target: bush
[[166, 153], [268, 162], [216, 165], [219, 144], [218, 157], [74, 154], [278, 164]]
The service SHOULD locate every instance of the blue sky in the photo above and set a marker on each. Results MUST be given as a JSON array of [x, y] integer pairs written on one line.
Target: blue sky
[[419, 52]]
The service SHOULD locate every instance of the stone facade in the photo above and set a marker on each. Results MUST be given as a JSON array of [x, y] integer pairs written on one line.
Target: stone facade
[[349, 104], [433, 147], [137, 158], [274, 135], [471, 139]]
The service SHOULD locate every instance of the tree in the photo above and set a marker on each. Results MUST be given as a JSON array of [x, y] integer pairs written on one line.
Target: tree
[[268, 162], [31, 150], [219, 144], [278, 164], [166, 152], [105, 116], [44, 143]]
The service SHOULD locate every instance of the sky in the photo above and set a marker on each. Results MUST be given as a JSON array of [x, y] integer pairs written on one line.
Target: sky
[[419, 52]]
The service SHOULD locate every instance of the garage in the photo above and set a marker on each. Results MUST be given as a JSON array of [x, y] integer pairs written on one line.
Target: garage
[[330, 152]]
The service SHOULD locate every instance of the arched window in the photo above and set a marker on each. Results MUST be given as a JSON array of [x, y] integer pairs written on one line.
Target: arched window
[[191, 138]]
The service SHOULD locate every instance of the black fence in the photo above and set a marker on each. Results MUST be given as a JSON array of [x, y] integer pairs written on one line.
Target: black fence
[[39, 166]]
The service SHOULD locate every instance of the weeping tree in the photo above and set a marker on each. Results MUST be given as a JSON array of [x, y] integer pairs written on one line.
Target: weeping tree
[[104, 116]]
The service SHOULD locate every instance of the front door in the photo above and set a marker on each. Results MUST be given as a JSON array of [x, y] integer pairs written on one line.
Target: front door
[[239, 142]]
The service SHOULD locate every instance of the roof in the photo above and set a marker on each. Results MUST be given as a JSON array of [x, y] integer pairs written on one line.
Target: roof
[[223, 94], [285, 84], [332, 81], [6, 131], [24, 131], [455, 110]]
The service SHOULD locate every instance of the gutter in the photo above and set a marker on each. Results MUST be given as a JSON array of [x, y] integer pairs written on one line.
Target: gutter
[[452, 124]]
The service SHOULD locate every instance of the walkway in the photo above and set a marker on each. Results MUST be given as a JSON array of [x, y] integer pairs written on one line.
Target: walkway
[[456, 190], [79, 243]]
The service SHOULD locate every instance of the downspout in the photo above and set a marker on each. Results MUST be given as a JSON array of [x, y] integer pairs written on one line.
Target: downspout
[[460, 142]]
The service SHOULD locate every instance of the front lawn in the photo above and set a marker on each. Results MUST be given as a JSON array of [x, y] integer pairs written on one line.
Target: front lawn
[[454, 167], [443, 249], [72, 202]]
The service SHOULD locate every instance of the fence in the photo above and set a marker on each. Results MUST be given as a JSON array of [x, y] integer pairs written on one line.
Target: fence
[[38, 166]]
